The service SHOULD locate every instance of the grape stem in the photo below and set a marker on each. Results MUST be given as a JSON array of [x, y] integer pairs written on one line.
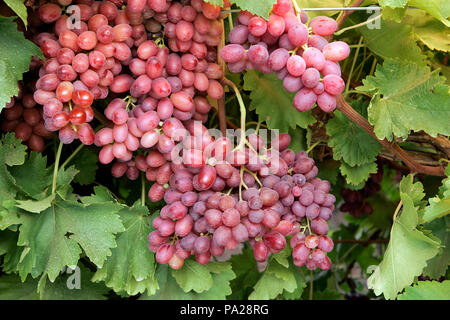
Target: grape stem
[[254, 176], [243, 112], [357, 25], [313, 146], [55, 170], [311, 281], [77, 150], [401, 154], [296, 8], [345, 14], [347, 86], [142, 190]]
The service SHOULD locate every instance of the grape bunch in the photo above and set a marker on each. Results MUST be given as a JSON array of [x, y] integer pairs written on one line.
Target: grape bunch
[[217, 198], [24, 117], [355, 201], [109, 51], [302, 57]]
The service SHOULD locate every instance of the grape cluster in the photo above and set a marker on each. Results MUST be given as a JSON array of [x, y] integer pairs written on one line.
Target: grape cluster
[[301, 57], [109, 53], [257, 194], [355, 201], [24, 117]]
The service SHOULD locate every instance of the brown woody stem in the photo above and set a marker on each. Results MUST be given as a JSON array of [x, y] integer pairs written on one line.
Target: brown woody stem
[[401, 154]]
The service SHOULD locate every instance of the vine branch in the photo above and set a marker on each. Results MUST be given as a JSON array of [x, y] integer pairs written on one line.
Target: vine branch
[[401, 154], [345, 14]]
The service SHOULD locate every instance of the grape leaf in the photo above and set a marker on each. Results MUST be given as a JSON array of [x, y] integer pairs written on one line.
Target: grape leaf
[[440, 205], [428, 30], [35, 206], [320, 4], [8, 189], [406, 255], [221, 274], [407, 97], [86, 163], [15, 57], [15, 150], [215, 2], [400, 43], [413, 190], [34, 169], [395, 14], [393, 3], [273, 282], [11, 288], [54, 238], [193, 276], [301, 284], [131, 266], [437, 266], [351, 143], [440, 9], [357, 174], [258, 7], [274, 104], [427, 290], [19, 8], [8, 239]]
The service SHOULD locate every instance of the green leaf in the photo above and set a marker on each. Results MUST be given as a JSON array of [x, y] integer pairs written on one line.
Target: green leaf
[[320, 4], [66, 287], [407, 97], [193, 276], [221, 274], [19, 8], [440, 9], [272, 103], [406, 255], [393, 3], [52, 239], [396, 14], [34, 169], [427, 290], [357, 174], [328, 170], [437, 266], [131, 266], [400, 43], [413, 190], [86, 163], [258, 7], [273, 282], [15, 57], [36, 206], [328, 294], [351, 143], [215, 2], [439, 205], [15, 151], [301, 284]]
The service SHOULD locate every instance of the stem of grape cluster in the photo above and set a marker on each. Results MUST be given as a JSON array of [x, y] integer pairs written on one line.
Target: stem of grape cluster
[[56, 168], [337, 33], [142, 190], [311, 281], [77, 150], [243, 112], [347, 86], [296, 8]]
